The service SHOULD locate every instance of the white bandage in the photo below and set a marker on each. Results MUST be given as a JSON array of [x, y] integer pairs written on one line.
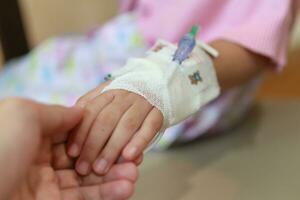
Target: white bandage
[[178, 91]]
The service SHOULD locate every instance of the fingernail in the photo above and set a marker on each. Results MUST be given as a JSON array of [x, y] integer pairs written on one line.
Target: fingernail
[[101, 166], [132, 151], [83, 168], [73, 151]]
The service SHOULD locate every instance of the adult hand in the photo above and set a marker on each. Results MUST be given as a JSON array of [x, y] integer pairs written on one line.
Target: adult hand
[[34, 164]]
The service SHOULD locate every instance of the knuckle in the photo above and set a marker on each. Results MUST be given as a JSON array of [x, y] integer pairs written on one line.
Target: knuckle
[[120, 100], [116, 92], [107, 96]]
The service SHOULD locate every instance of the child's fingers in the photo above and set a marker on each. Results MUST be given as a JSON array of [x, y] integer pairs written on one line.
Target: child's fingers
[[127, 126], [82, 101], [78, 135], [100, 131], [144, 136]]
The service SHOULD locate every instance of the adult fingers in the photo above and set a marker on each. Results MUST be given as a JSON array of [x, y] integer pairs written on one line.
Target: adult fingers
[[57, 119]]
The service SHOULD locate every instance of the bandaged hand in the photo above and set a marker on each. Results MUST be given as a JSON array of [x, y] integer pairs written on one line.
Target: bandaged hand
[[144, 98]]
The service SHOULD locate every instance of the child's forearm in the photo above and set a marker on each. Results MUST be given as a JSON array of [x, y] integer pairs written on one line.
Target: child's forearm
[[237, 65]]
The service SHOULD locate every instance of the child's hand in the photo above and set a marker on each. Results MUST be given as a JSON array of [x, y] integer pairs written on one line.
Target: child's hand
[[116, 123]]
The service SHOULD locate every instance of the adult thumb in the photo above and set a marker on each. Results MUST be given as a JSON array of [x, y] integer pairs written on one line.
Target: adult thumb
[[58, 119]]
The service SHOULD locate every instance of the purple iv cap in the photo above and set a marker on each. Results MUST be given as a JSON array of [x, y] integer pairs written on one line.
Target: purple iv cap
[[186, 45]]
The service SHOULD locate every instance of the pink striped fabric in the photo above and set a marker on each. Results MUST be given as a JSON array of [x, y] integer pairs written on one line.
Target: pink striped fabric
[[262, 26]]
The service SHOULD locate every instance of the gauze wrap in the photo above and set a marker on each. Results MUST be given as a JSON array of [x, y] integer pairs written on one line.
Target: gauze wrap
[[177, 90]]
